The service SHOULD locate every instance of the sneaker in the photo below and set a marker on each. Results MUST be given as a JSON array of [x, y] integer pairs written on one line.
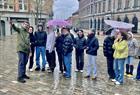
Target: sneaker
[[87, 76], [49, 71], [43, 69], [31, 70], [117, 83], [26, 77], [37, 69], [94, 78], [81, 71], [76, 70], [129, 75], [113, 80], [64, 72], [21, 80]]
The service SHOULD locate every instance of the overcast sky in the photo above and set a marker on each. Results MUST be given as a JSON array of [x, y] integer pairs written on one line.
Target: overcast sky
[[64, 8]]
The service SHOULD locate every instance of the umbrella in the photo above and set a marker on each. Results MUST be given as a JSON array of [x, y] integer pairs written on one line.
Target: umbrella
[[119, 25], [60, 23]]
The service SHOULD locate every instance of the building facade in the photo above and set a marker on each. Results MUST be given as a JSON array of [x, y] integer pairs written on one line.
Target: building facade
[[94, 12], [18, 11]]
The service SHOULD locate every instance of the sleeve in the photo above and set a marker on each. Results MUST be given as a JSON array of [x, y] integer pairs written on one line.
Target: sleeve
[[136, 46], [105, 47], [96, 45], [120, 46], [15, 28]]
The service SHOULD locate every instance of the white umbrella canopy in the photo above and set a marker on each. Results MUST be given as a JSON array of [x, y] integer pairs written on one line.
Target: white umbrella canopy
[[119, 25]]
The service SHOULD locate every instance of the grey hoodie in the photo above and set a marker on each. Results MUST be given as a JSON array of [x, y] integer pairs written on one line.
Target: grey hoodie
[[132, 45]]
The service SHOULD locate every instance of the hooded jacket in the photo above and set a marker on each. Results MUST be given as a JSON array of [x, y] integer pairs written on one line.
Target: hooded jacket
[[92, 44], [132, 45]]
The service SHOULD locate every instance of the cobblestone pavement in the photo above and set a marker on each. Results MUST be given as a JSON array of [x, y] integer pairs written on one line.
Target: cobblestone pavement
[[43, 83]]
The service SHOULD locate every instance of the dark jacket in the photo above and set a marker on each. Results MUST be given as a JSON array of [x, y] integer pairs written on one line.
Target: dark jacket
[[67, 44], [80, 44], [107, 47], [32, 39], [23, 41], [59, 43], [92, 45], [40, 38]]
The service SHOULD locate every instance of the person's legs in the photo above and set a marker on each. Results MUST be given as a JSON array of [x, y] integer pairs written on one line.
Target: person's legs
[[138, 72], [110, 62], [131, 65], [26, 56], [38, 57], [89, 66], [31, 57], [95, 66], [127, 61], [81, 61], [43, 54], [121, 63], [53, 59], [116, 69], [77, 60], [60, 59]]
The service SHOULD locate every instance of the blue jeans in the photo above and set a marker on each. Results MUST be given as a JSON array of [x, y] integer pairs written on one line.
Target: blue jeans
[[67, 62], [23, 59], [40, 50], [119, 69], [129, 60], [138, 71]]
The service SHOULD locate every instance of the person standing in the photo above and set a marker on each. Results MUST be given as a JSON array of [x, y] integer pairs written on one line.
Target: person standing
[[40, 42], [50, 51], [32, 47], [92, 47], [67, 51], [80, 45], [132, 49], [120, 54], [108, 53], [23, 49], [59, 50]]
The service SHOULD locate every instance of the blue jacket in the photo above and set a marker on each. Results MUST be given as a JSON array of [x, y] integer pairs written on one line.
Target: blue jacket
[[40, 38], [80, 44], [107, 47], [67, 44], [59, 44], [92, 45]]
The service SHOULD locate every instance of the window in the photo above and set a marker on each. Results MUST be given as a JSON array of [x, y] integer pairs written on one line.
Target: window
[[23, 5], [95, 7], [127, 2], [109, 5], [136, 3], [99, 7], [119, 4], [103, 6], [91, 8], [5, 5]]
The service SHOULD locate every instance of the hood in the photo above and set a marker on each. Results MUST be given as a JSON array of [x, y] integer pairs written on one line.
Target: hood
[[130, 33]]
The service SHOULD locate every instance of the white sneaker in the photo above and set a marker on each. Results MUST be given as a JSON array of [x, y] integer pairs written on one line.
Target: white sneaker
[[113, 80], [76, 70], [31, 70], [117, 83], [81, 71]]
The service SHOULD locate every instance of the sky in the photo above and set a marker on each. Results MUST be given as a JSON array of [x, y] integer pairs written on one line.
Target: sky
[[64, 8]]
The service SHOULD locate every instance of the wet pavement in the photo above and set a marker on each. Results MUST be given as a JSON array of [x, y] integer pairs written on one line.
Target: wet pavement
[[43, 83]]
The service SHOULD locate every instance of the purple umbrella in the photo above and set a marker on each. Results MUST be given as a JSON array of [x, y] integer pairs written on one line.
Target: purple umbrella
[[60, 23]]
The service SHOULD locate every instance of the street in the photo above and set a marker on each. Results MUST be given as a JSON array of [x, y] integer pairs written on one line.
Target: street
[[44, 83]]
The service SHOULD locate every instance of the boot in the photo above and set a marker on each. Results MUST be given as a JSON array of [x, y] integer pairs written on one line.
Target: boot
[[127, 69], [131, 69]]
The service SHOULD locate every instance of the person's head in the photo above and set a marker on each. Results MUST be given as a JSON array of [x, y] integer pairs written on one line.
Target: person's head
[[130, 35], [65, 31], [31, 29], [58, 33], [25, 25], [80, 33], [93, 31], [122, 35], [40, 28]]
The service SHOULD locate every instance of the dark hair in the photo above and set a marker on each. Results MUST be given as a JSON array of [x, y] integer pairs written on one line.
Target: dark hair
[[94, 31], [124, 35], [32, 27], [81, 31]]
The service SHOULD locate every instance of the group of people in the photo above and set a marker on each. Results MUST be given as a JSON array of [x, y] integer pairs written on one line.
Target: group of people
[[119, 47]]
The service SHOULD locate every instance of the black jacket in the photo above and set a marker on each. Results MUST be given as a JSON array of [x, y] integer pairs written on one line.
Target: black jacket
[[92, 45], [67, 44], [107, 47], [40, 38], [80, 44], [59, 44], [32, 39]]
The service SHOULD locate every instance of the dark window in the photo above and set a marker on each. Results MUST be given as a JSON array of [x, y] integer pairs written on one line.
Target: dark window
[[136, 3], [104, 3], [109, 5], [119, 4], [99, 9]]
